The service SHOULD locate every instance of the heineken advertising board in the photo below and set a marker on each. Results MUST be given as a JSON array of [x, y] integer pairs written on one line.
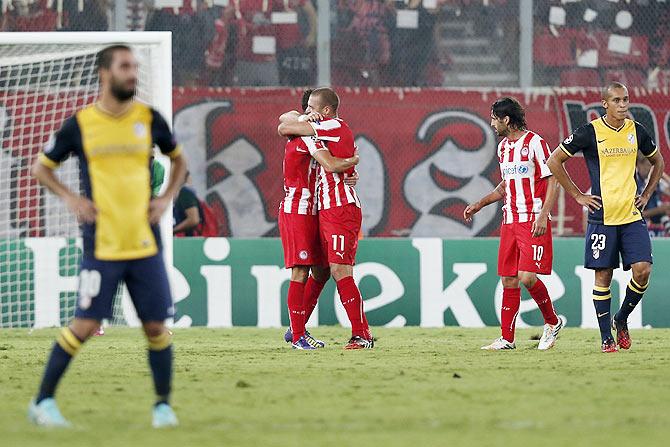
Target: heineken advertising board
[[219, 282]]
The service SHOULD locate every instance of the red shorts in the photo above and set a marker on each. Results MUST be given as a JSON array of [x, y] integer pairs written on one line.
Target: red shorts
[[340, 227], [520, 251], [300, 239]]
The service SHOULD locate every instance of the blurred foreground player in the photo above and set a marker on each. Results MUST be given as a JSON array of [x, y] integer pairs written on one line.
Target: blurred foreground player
[[529, 193], [113, 140]]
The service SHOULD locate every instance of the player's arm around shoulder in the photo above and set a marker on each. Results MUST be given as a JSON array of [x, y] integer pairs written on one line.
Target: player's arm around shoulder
[[319, 151], [294, 124], [334, 164]]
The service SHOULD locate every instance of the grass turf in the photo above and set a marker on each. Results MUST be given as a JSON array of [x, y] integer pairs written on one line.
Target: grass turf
[[419, 387]]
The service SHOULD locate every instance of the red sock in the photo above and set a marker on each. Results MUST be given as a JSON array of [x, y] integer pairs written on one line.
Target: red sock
[[541, 296], [296, 310], [510, 309], [313, 289], [353, 304]]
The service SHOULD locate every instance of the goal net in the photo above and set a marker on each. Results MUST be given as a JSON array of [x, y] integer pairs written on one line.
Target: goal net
[[44, 79]]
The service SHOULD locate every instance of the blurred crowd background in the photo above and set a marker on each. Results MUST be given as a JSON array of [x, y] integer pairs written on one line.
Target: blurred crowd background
[[384, 42]]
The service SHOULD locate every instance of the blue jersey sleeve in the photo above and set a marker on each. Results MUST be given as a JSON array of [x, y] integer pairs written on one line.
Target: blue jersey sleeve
[[162, 136], [582, 139], [63, 143]]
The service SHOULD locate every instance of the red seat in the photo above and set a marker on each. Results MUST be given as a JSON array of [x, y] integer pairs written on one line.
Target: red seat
[[632, 78], [580, 77], [553, 51]]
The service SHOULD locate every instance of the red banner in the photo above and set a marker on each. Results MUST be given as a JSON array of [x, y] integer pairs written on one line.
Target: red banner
[[425, 153]]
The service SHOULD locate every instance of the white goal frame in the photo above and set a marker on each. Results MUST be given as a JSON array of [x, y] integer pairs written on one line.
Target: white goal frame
[[161, 92]]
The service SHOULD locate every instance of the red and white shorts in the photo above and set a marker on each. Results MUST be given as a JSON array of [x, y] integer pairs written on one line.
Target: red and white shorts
[[300, 239], [340, 227], [519, 251]]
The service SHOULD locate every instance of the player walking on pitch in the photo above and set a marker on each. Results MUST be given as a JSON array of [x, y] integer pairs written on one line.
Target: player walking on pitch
[[339, 208], [610, 145], [299, 230], [113, 140], [529, 193]]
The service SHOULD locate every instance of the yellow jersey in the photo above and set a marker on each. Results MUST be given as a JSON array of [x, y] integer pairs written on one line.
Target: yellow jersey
[[610, 156], [114, 163]]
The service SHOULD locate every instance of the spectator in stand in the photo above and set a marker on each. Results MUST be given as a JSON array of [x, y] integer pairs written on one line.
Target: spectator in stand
[[221, 54], [27, 15], [192, 32], [362, 50], [657, 213], [256, 63], [186, 211], [296, 40], [411, 47], [94, 15]]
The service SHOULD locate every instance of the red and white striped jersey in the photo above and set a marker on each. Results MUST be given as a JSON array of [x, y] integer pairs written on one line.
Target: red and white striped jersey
[[523, 166], [300, 175], [339, 140]]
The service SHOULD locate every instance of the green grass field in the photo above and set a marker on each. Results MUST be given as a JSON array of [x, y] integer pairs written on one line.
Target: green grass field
[[418, 387]]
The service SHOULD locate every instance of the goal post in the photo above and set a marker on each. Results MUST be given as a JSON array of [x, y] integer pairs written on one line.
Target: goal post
[[46, 77]]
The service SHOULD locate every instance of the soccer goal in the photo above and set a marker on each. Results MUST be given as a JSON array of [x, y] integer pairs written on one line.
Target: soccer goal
[[45, 78]]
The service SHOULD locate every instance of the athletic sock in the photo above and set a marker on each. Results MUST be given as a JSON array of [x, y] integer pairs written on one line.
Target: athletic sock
[[602, 299], [313, 290], [296, 309], [541, 296], [510, 310], [66, 347], [353, 305], [160, 361], [634, 293]]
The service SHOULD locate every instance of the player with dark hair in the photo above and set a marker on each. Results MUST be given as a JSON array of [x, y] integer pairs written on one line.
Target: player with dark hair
[[610, 145], [339, 208], [529, 193], [113, 140], [299, 228]]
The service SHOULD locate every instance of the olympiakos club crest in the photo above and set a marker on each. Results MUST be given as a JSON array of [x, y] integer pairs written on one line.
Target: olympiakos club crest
[[631, 138], [303, 254], [524, 151]]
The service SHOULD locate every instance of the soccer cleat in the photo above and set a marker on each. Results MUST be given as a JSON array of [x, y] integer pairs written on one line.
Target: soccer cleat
[[163, 416], [499, 344], [609, 345], [46, 414], [551, 333], [288, 338], [358, 342], [314, 341], [622, 335], [99, 332], [303, 344], [288, 335]]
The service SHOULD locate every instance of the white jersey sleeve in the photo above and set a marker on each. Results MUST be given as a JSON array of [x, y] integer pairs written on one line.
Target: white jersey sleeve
[[539, 150], [313, 145]]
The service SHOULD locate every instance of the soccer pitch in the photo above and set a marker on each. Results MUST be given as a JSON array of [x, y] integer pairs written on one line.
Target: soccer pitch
[[419, 387]]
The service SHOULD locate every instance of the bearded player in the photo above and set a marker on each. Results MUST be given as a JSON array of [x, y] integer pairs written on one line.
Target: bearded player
[[113, 140], [299, 229], [339, 207], [529, 193]]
